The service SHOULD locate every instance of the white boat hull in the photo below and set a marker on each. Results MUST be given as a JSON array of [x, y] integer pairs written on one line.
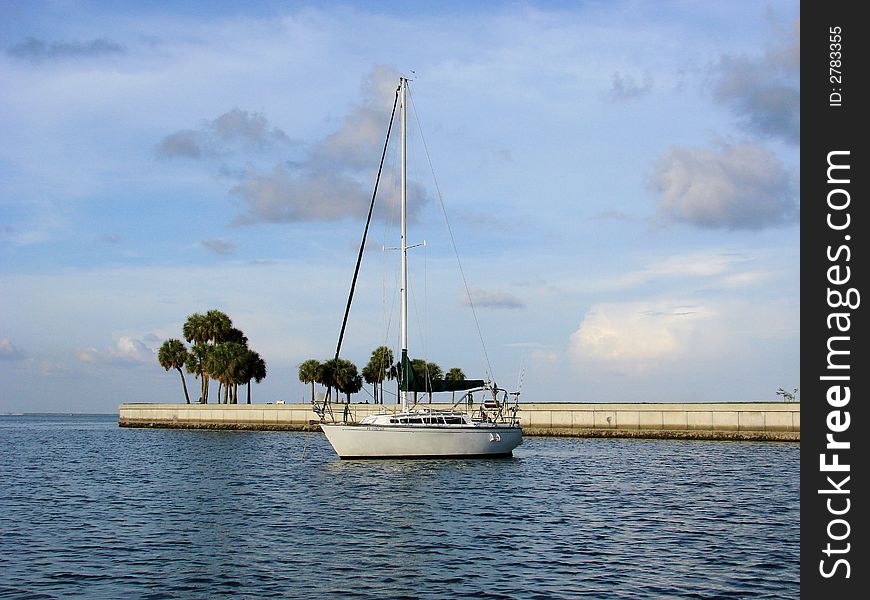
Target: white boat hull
[[377, 441]]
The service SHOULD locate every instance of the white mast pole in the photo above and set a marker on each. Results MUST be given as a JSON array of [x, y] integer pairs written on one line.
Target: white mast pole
[[403, 83]]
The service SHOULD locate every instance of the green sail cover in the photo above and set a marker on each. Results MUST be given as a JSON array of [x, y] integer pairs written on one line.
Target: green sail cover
[[410, 381]]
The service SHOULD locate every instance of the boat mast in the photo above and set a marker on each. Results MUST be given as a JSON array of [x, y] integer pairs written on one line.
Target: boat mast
[[404, 193]]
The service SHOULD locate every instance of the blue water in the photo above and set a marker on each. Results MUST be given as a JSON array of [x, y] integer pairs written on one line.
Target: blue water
[[88, 509]]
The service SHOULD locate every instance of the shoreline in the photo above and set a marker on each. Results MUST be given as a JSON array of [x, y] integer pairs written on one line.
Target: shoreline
[[743, 421]]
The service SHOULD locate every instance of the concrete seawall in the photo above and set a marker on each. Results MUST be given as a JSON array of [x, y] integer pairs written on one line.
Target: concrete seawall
[[768, 421]]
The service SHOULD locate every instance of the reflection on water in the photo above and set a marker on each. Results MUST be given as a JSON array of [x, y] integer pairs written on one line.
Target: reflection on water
[[91, 509]]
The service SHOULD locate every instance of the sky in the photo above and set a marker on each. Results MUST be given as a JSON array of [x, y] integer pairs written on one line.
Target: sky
[[619, 179]]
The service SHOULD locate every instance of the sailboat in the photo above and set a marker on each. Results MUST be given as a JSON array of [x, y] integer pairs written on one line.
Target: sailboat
[[415, 432]]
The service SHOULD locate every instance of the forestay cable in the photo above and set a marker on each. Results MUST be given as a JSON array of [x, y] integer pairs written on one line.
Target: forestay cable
[[362, 244]]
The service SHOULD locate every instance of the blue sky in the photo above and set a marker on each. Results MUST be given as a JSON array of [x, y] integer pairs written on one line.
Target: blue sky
[[621, 179]]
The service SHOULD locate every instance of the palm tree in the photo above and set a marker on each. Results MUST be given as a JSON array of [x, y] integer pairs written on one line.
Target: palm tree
[[383, 360], [427, 372], [225, 363], [234, 335], [326, 375], [347, 378], [216, 364], [454, 374], [195, 364], [195, 332], [204, 331], [370, 376], [378, 369], [308, 374], [418, 365], [194, 329], [434, 373], [393, 374], [173, 355], [255, 368], [219, 326]]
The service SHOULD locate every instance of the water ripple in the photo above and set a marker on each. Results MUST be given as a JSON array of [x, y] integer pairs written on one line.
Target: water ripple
[[92, 510]]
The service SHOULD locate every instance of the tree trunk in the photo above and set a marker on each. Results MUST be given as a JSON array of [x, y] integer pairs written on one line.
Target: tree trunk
[[249, 391], [184, 384], [312, 392]]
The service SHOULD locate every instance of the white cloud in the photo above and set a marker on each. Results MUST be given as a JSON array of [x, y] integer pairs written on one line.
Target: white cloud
[[285, 196], [638, 331], [626, 88], [234, 130], [765, 90], [334, 179], [735, 186], [126, 352], [680, 338], [712, 269], [493, 299]]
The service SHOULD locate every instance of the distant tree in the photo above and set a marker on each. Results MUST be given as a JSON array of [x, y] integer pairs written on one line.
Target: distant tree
[[426, 372], [378, 369], [254, 367], [788, 396], [226, 364], [352, 386], [219, 326], [326, 375], [370, 376], [454, 374], [216, 365], [308, 374], [204, 332], [195, 365], [347, 378], [195, 331], [235, 335], [173, 355], [393, 375], [434, 372], [418, 365]]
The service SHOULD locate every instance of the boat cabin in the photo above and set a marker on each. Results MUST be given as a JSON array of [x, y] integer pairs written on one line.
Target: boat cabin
[[444, 419]]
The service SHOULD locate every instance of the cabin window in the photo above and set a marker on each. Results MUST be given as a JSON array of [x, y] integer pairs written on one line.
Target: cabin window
[[416, 421], [403, 420], [454, 420], [394, 420]]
